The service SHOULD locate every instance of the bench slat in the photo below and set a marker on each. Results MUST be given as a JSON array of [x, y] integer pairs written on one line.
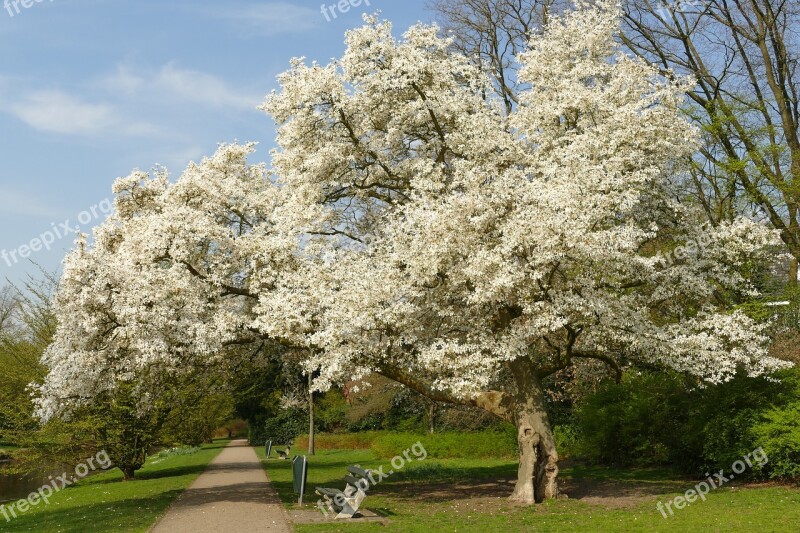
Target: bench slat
[[328, 492], [357, 482], [355, 469]]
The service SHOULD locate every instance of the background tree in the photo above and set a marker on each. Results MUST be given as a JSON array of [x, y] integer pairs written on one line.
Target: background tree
[[27, 323], [743, 56], [494, 33]]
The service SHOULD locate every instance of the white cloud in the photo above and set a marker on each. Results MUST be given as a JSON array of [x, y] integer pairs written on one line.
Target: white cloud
[[272, 18], [202, 88], [123, 81], [171, 82], [17, 203], [59, 112]]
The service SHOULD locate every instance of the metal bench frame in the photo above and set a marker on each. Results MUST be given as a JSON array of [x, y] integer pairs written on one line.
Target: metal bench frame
[[347, 502]]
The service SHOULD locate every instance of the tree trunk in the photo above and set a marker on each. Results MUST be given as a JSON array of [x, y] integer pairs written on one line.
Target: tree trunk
[[128, 472], [538, 458], [310, 415], [537, 478], [432, 418]]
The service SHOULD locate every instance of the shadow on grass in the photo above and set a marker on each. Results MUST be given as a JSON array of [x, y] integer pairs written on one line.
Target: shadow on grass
[[125, 515], [115, 475], [576, 470], [452, 480], [431, 479]]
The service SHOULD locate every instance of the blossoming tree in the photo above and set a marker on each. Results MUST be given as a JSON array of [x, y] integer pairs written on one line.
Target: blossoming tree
[[410, 226]]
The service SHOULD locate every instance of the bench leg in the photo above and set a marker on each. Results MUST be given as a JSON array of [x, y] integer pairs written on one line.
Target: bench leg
[[351, 505]]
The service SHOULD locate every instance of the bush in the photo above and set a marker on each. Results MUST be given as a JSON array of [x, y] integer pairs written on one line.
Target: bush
[[636, 422], [665, 419], [778, 433], [567, 440], [751, 414], [286, 425]]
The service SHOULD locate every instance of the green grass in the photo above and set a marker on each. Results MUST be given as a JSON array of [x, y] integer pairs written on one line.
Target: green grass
[[463, 495], [103, 503]]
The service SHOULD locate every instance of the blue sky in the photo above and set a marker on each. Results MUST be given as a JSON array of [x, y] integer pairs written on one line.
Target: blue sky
[[91, 89]]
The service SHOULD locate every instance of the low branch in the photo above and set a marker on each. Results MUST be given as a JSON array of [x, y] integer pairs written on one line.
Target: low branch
[[604, 358], [491, 401]]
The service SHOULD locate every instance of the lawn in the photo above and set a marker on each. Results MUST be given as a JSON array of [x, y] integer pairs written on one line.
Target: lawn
[[103, 503], [470, 495]]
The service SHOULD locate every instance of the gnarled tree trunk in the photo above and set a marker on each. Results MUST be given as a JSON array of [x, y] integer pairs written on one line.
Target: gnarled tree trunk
[[538, 458], [537, 477]]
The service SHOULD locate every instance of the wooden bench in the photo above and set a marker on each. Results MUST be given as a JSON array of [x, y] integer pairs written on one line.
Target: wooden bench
[[345, 503]]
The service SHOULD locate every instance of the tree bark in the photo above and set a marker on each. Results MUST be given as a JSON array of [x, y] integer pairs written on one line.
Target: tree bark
[[310, 414], [128, 473], [432, 418], [537, 477]]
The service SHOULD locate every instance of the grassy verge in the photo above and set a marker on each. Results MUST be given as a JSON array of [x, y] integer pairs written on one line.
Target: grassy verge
[[103, 503], [450, 445], [471, 495]]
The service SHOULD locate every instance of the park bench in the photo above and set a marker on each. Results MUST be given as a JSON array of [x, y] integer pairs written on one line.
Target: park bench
[[282, 454], [347, 502]]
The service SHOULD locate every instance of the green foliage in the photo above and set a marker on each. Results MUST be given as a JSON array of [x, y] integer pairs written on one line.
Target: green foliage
[[286, 425], [567, 440], [660, 419], [750, 414], [124, 430], [26, 327], [199, 406], [635, 422], [330, 411], [778, 432]]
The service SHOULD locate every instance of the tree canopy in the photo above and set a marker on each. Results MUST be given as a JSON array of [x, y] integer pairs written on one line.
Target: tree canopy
[[410, 224]]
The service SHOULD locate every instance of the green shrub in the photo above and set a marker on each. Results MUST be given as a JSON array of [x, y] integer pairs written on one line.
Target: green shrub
[[330, 410], [567, 440], [286, 425], [636, 422], [664, 419], [778, 433]]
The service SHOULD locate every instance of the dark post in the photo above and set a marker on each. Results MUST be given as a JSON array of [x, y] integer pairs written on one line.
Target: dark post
[[299, 474]]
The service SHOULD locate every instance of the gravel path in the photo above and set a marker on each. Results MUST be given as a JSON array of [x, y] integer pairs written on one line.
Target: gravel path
[[233, 494]]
